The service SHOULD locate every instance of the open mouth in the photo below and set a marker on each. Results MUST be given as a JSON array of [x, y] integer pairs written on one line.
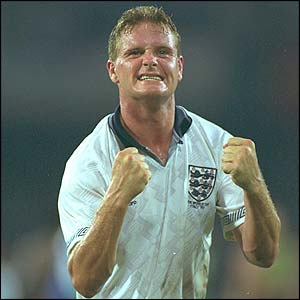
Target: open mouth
[[150, 77]]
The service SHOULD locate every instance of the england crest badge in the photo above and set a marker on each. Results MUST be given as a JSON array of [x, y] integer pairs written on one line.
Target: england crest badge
[[201, 183]]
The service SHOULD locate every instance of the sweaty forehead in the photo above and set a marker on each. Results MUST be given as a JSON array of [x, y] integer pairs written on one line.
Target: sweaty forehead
[[147, 33], [148, 27]]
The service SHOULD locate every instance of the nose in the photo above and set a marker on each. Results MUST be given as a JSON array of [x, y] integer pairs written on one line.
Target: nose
[[149, 59]]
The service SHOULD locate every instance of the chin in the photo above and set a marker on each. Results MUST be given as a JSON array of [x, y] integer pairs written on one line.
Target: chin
[[158, 97], [153, 93]]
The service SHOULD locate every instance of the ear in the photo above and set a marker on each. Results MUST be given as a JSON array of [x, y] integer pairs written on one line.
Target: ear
[[180, 62], [110, 66]]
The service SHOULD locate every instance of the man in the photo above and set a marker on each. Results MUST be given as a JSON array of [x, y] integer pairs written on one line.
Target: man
[[139, 195]]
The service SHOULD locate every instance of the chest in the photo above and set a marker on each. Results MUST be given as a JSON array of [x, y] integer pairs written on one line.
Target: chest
[[179, 194]]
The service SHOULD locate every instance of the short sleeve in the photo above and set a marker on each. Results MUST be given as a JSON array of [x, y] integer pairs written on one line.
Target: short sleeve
[[230, 206], [80, 195]]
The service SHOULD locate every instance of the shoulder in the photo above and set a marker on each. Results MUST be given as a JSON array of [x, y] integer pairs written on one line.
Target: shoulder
[[207, 129], [206, 126]]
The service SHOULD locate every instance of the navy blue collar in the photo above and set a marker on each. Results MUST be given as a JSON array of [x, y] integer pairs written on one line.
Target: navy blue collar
[[181, 125]]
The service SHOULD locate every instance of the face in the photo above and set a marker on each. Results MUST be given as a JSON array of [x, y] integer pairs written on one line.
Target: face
[[147, 65]]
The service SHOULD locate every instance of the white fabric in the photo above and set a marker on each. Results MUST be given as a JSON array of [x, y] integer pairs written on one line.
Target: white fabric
[[163, 249]]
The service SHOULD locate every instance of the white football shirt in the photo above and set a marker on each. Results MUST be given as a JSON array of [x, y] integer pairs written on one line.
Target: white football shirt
[[163, 247]]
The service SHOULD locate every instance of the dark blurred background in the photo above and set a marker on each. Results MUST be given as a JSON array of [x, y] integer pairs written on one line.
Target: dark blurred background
[[241, 72]]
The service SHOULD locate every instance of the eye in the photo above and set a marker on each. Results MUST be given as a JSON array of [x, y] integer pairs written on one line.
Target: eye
[[135, 52], [163, 52]]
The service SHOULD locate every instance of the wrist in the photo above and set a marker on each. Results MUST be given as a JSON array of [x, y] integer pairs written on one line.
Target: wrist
[[257, 189], [117, 198]]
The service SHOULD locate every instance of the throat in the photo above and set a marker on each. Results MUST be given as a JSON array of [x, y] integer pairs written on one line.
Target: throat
[[151, 128], [156, 143]]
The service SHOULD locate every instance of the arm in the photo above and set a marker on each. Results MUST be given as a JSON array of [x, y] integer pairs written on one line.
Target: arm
[[260, 233], [92, 260]]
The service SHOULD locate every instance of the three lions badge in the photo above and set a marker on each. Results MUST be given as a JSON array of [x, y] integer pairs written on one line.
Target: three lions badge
[[201, 184]]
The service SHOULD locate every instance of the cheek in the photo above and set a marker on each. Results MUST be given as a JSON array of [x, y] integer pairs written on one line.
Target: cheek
[[172, 68], [126, 70]]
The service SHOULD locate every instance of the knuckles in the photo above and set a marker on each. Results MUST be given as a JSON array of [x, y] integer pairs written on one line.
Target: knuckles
[[235, 141], [250, 143], [129, 160]]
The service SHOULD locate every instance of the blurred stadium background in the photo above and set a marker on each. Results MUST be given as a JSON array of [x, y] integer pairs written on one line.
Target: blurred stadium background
[[241, 72]]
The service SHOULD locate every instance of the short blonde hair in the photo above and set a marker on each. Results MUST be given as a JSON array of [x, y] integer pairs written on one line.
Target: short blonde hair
[[137, 15]]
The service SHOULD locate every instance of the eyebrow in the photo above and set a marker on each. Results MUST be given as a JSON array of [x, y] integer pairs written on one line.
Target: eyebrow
[[171, 50]]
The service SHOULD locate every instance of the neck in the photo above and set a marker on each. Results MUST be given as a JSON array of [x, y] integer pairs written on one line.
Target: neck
[[150, 125]]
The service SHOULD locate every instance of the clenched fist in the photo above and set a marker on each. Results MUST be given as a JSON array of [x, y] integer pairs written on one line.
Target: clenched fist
[[240, 161], [130, 173]]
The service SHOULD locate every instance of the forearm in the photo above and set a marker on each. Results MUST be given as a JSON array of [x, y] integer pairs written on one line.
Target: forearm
[[93, 258], [259, 235], [261, 230]]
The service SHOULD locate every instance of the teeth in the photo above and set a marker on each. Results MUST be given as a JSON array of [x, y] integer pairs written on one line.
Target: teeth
[[150, 78]]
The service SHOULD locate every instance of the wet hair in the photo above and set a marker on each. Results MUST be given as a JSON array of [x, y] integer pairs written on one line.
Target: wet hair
[[135, 16]]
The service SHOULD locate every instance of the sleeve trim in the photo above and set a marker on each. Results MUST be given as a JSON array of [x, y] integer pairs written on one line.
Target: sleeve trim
[[79, 233], [234, 216]]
